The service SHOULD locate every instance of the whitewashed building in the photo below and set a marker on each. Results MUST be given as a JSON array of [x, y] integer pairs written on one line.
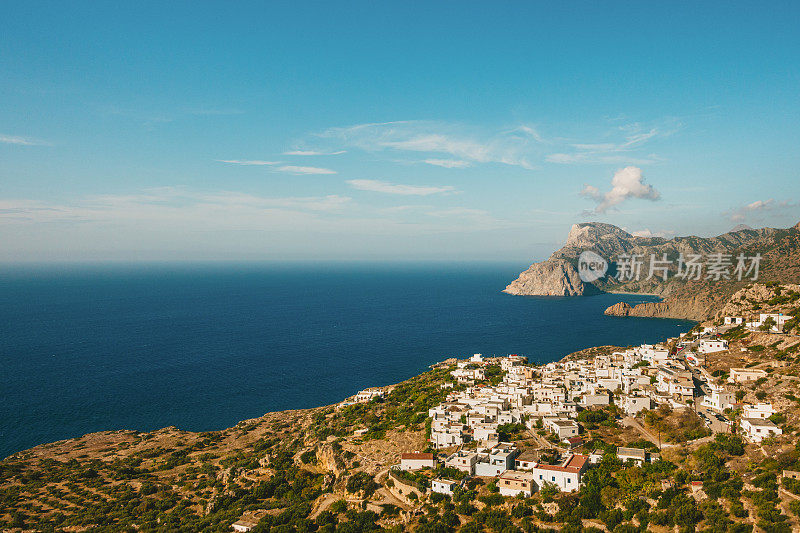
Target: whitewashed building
[[758, 429]]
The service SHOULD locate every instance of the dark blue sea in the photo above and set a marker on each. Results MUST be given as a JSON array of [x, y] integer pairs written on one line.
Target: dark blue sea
[[200, 347]]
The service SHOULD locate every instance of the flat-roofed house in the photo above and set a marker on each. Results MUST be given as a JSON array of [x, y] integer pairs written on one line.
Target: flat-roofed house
[[526, 460], [496, 460], [562, 427], [512, 483], [758, 429], [632, 404], [463, 460], [743, 375], [758, 410], [244, 524], [712, 346], [637, 455], [443, 486]]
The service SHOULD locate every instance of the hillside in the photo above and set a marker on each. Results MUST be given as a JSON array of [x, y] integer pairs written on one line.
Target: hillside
[[682, 297]]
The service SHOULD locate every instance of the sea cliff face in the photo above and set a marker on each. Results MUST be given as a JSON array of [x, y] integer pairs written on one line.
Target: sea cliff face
[[694, 300], [550, 278]]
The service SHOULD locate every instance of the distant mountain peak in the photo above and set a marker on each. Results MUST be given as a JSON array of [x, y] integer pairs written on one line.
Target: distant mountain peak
[[586, 233]]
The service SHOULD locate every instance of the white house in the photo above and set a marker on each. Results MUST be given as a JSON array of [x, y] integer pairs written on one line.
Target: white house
[[463, 460], [417, 461], [712, 346], [653, 354], [597, 398], [450, 434], [443, 486], [674, 382], [758, 429], [759, 410], [244, 524], [496, 460], [779, 318], [367, 395], [719, 399], [566, 476], [733, 321], [743, 375], [562, 427], [484, 431], [633, 404], [463, 375]]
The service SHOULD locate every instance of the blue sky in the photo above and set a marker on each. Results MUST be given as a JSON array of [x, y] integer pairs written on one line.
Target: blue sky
[[391, 130]]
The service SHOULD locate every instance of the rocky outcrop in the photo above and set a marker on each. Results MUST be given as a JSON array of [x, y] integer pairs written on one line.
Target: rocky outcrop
[[550, 278], [759, 298], [647, 309], [329, 460], [619, 309]]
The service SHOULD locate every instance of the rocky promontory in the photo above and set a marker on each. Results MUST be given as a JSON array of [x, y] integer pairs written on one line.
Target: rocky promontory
[[550, 278]]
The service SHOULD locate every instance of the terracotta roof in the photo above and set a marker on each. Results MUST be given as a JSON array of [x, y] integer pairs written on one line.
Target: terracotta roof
[[417, 456], [577, 461]]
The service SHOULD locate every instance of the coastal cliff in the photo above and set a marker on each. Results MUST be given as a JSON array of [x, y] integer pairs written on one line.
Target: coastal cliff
[[559, 275], [550, 278]]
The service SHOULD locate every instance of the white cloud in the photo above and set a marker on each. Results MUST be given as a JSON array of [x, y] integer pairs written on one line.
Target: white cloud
[[391, 188], [448, 163], [22, 141], [314, 152], [305, 170], [626, 183], [436, 138], [647, 233], [759, 208], [247, 162]]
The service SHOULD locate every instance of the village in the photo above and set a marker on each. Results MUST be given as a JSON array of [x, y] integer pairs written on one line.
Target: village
[[545, 402]]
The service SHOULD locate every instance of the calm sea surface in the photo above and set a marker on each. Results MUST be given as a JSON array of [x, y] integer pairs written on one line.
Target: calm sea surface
[[94, 348]]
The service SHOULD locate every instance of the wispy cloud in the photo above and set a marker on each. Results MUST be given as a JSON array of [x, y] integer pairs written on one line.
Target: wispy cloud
[[314, 152], [622, 151], [248, 162], [510, 148], [448, 163], [459, 212], [626, 183], [22, 141], [305, 170], [758, 208], [391, 188], [168, 204]]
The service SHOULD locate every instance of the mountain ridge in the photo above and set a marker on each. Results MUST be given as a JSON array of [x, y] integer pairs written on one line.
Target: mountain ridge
[[689, 299]]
